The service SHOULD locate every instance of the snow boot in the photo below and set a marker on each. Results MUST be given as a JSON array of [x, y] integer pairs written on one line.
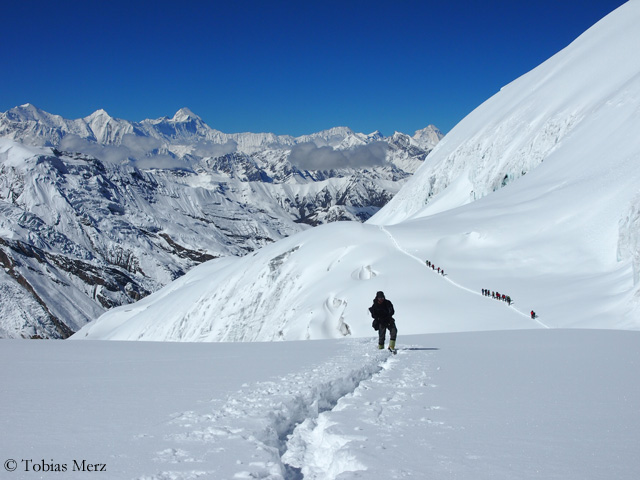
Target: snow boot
[[392, 345], [380, 347]]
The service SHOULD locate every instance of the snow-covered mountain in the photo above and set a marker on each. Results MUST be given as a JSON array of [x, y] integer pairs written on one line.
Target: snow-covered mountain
[[99, 212], [184, 133], [534, 195]]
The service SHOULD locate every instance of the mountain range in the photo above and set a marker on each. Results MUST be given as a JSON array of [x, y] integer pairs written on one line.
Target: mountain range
[[99, 212]]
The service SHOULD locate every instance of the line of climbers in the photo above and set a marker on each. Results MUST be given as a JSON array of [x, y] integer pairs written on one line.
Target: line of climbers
[[505, 298], [433, 267], [485, 291], [496, 295]]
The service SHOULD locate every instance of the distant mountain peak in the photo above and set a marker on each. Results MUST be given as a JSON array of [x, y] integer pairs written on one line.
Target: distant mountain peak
[[185, 115], [428, 136], [427, 130], [26, 112], [100, 113]]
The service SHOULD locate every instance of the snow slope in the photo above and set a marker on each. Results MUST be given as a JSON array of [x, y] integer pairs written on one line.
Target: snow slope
[[527, 404], [317, 284], [533, 195], [576, 111]]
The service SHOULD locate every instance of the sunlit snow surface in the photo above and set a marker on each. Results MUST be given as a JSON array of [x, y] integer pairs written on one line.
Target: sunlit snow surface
[[485, 405]]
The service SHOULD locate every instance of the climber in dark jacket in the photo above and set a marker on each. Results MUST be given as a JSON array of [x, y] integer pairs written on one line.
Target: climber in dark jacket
[[382, 312]]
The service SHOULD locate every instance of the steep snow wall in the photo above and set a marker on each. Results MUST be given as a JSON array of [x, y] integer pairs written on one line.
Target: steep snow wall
[[591, 86]]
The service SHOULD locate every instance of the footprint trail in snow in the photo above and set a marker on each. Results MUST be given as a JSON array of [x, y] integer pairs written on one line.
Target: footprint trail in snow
[[268, 430], [366, 427]]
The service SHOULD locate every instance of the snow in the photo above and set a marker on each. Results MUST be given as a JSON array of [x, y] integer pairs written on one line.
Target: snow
[[484, 405], [533, 195], [185, 115]]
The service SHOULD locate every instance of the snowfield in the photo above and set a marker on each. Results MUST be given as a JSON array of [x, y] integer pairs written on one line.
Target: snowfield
[[525, 404]]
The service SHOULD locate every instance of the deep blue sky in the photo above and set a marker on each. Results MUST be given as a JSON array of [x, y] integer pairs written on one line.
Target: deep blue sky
[[288, 67]]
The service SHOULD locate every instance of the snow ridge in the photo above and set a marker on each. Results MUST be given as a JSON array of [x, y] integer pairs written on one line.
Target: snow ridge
[[264, 417]]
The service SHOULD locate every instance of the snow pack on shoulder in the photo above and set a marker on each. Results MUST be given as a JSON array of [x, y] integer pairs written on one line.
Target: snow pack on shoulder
[[533, 195]]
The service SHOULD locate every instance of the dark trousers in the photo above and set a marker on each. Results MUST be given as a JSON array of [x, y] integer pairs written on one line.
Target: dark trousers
[[382, 331]]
